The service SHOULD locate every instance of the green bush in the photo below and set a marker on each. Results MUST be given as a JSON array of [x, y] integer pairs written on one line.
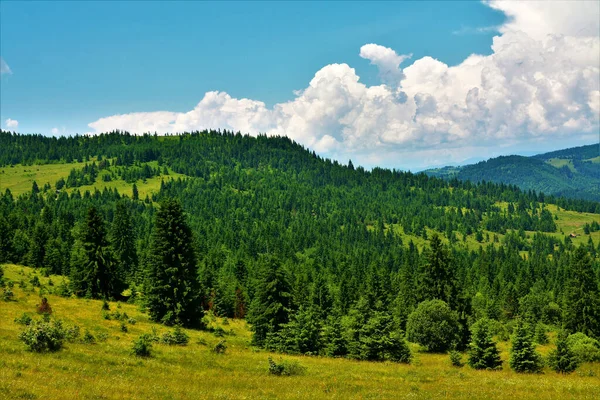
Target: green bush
[[540, 334], [124, 327], [433, 325], [142, 346], [177, 337], [220, 347], [24, 319], [563, 359], [456, 358], [7, 294], [41, 336], [585, 348], [483, 353], [88, 338], [72, 333], [285, 368]]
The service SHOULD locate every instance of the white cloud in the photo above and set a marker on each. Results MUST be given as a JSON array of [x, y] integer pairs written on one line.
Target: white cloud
[[11, 123], [541, 82], [4, 68], [55, 131]]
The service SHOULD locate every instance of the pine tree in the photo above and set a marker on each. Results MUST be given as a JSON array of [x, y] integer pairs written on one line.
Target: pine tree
[[173, 289], [562, 359], [270, 307], [135, 195], [483, 353], [436, 278], [122, 239], [333, 337], [540, 334], [581, 310], [93, 270], [524, 357]]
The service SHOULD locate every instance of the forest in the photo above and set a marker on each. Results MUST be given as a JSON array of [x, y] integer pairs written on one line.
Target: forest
[[319, 257]]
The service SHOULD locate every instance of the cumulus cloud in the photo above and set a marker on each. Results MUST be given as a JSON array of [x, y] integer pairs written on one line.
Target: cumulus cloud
[[4, 68], [11, 123], [541, 82]]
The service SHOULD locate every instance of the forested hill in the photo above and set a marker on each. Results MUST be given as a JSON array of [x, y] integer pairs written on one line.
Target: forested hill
[[573, 172], [302, 246]]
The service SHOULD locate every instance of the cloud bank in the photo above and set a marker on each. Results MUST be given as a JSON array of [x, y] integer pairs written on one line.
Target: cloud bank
[[11, 123], [541, 82]]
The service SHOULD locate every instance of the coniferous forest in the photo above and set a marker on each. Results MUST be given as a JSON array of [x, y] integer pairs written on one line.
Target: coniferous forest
[[320, 258]]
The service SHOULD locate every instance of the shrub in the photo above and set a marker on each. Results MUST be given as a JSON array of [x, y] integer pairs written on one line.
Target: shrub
[[456, 358], [540, 334], [433, 325], [44, 307], [72, 333], [285, 368], [105, 306], [41, 336], [63, 289], [102, 337], [35, 281], [397, 349], [483, 353], [24, 319], [218, 331], [88, 338], [220, 347], [7, 294], [131, 321], [585, 348], [563, 359], [142, 346], [524, 357], [177, 337], [124, 327]]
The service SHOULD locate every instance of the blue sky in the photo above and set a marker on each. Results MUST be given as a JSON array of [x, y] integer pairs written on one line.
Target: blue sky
[[73, 63]]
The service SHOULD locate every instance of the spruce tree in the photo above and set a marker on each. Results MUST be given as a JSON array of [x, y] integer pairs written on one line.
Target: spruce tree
[[562, 359], [270, 307], [173, 289], [93, 271], [483, 353], [122, 239], [333, 337], [524, 357], [581, 310], [436, 277]]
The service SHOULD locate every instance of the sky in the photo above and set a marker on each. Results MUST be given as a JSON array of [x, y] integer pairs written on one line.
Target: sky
[[405, 85]]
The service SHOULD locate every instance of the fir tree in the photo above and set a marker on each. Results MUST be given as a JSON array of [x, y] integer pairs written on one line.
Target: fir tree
[[122, 238], [524, 357], [269, 309], [581, 310], [562, 359], [93, 271], [135, 195], [483, 353], [173, 288], [333, 337], [436, 278]]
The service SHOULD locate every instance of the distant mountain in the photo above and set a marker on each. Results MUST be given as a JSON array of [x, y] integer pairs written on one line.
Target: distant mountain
[[573, 172]]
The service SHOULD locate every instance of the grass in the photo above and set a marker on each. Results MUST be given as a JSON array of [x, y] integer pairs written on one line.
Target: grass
[[107, 370], [20, 178], [561, 162]]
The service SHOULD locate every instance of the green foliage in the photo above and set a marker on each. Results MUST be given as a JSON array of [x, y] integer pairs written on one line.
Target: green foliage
[[456, 358], [41, 336], [220, 347], [7, 294], [523, 355], [142, 346], [433, 325], [483, 353], [585, 348], [173, 289], [88, 338], [286, 368], [24, 319], [177, 337], [541, 337], [333, 337], [563, 359]]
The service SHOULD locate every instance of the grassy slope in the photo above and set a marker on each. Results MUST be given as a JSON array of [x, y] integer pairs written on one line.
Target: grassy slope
[[107, 370]]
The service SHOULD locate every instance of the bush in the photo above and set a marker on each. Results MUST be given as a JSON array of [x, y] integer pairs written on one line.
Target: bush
[[142, 346], [35, 281], [433, 325], [24, 319], [131, 321], [72, 333], [585, 348], [105, 306], [63, 289], [7, 294], [220, 347], [88, 338], [41, 336], [285, 368], [540, 334], [124, 327], [456, 358], [563, 359], [177, 337]]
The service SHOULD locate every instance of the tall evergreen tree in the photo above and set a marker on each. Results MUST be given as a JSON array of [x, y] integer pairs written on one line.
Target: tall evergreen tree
[[483, 353], [93, 271], [436, 277], [581, 309], [122, 238], [562, 359], [270, 307], [172, 286]]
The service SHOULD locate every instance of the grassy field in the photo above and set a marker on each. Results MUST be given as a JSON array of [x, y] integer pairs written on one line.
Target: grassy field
[[107, 370], [20, 178]]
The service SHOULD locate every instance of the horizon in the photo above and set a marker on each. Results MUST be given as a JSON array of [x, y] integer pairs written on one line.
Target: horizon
[[428, 85]]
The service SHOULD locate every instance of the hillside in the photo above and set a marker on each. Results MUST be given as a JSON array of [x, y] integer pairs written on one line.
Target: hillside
[[304, 256], [571, 172], [107, 370]]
